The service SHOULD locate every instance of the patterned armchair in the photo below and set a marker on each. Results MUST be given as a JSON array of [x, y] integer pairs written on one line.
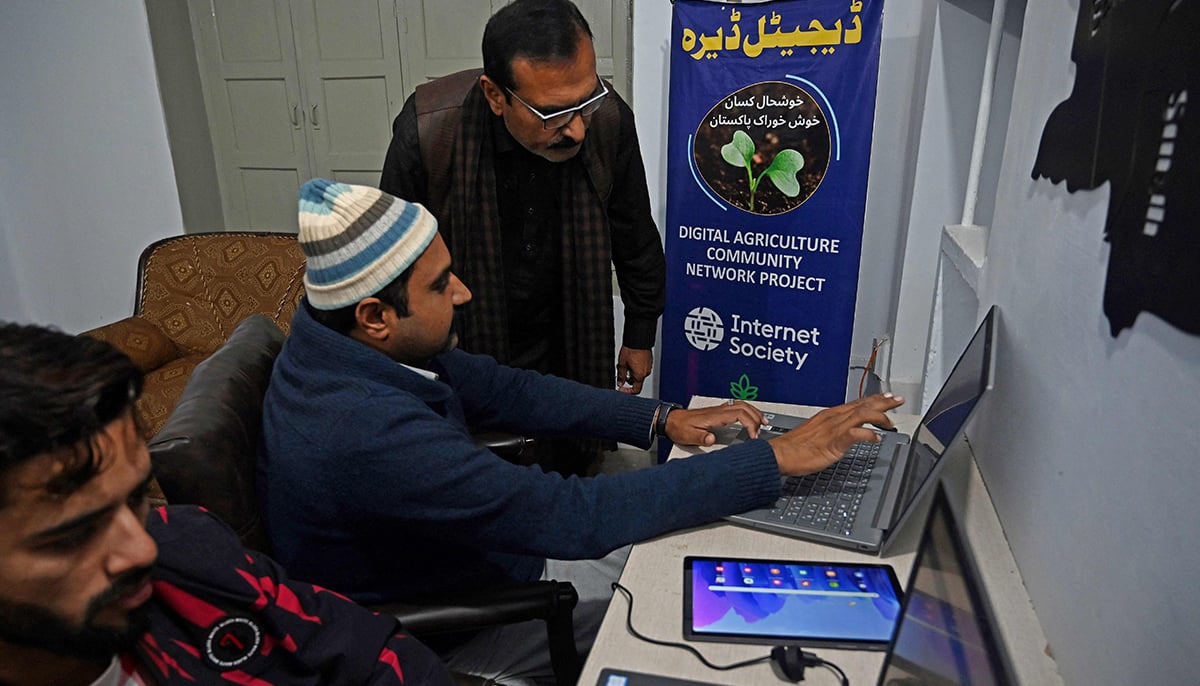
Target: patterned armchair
[[192, 291]]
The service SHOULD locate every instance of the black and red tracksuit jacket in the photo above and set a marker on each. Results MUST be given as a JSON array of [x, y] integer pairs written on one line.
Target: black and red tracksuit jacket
[[222, 614]]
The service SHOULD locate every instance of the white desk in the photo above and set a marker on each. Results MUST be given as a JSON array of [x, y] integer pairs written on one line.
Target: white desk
[[654, 574]]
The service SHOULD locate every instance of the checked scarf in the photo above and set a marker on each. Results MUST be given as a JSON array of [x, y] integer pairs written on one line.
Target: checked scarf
[[462, 195]]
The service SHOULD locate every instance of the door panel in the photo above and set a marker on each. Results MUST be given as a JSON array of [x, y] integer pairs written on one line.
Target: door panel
[[350, 59], [360, 177], [599, 15], [246, 54], [351, 29], [251, 31], [256, 106], [270, 197], [357, 125], [444, 36]]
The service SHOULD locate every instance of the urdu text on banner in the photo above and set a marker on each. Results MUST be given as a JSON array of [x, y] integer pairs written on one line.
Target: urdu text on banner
[[771, 109]]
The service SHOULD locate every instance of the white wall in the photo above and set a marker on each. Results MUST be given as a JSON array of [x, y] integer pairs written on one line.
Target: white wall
[[1088, 444], [651, 34], [85, 173], [946, 111]]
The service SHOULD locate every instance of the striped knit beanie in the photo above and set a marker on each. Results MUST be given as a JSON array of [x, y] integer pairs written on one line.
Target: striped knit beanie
[[357, 239]]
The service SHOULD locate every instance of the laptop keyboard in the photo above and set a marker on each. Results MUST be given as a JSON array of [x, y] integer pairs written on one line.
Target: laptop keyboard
[[829, 499]]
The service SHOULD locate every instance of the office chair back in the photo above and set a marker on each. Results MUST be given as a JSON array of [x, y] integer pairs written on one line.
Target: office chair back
[[205, 453]]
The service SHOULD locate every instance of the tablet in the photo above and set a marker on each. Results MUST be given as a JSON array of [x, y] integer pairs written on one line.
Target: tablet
[[821, 604]]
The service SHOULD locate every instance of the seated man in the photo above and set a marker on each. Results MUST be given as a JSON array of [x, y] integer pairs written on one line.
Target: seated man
[[83, 599], [372, 485]]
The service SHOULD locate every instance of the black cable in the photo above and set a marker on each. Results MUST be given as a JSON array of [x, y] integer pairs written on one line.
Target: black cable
[[811, 659], [835, 669], [671, 644]]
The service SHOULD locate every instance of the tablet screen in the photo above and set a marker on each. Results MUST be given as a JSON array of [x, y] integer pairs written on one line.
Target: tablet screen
[[774, 602]]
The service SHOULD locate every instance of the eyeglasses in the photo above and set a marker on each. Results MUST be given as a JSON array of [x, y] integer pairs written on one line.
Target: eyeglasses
[[561, 118]]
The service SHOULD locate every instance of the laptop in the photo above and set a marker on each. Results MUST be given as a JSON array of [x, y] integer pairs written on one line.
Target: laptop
[[863, 500], [946, 633]]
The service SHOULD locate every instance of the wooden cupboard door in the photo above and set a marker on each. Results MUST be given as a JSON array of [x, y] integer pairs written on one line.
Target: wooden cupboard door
[[300, 88], [609, 21], [441, 37], [246, 53], [349, 56]]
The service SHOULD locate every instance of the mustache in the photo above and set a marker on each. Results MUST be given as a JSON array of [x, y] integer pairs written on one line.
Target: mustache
[[566, 142], [122, 587]]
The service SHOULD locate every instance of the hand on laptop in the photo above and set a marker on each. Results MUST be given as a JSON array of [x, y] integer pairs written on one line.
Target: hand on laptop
[[692, 427], [821, 441]]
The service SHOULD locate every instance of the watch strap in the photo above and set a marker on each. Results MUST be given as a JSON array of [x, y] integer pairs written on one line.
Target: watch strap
[[660, 423]]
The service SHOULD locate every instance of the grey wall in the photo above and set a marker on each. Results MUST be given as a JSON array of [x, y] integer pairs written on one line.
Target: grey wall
[[1088, 444], [84, 166], [11, 305], [183, 107]]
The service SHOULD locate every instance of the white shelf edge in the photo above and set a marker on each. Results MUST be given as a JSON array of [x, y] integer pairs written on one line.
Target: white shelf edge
[[965, 246]]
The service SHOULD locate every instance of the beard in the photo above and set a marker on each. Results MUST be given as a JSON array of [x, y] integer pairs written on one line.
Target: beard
[[33, 626], [451, 341]]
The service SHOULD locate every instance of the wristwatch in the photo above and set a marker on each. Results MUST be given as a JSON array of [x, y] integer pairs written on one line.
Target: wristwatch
[[660, 424]]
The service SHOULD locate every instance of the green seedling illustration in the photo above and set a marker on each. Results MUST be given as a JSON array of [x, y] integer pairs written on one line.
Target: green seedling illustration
[[782, 171], [742, 390]]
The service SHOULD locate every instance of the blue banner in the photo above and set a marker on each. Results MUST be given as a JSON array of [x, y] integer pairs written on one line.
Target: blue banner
[[769, 140]]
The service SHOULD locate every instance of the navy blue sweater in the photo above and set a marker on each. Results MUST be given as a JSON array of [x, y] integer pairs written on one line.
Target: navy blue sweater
[[371, 484]]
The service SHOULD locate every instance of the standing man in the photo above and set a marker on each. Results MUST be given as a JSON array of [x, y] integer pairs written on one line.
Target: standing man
[[533, 170], [93, 593]]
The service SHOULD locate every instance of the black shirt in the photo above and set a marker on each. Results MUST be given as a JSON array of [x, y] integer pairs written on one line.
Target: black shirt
[[529, 191]]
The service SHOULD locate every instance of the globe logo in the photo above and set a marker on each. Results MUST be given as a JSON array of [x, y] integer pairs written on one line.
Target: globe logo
[[703, 328]]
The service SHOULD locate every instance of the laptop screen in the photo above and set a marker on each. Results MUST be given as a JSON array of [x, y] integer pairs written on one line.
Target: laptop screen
[[946, 633], [949, 411]]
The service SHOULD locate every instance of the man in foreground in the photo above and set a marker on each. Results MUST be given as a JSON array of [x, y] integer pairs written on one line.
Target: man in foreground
[[372, 485], [93, 593]]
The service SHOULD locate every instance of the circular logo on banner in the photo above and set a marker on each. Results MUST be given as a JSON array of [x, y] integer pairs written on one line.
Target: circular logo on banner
[[764, 148], [232, 641], [703, 328]]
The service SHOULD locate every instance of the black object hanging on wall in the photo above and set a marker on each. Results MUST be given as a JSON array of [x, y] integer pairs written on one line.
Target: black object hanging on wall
[[1126, 122]]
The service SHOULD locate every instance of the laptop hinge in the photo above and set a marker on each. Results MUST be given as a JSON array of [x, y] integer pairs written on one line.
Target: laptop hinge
[[885, 514]]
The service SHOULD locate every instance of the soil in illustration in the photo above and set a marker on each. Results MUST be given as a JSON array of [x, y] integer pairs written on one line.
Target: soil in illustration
[[764, 148]]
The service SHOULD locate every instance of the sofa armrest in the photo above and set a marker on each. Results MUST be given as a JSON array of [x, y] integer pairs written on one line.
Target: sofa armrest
[[142, 341]]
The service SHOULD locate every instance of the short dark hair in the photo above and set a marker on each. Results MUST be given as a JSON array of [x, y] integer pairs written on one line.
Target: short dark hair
[[57, 393], [538, 30], [343, 319]]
